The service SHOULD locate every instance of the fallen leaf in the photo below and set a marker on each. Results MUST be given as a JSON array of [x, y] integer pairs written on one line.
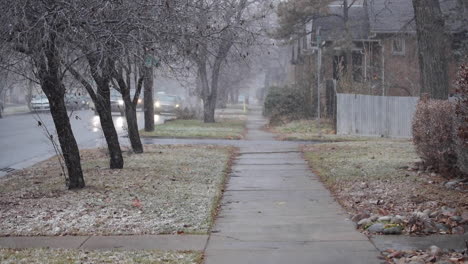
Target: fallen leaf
[[136, 203]]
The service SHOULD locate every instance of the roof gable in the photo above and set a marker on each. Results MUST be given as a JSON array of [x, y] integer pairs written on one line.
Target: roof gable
[[395, 16]]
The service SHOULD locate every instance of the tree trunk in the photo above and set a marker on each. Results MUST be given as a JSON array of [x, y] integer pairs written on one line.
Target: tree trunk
[[130, 106], [102, 104], [211, 99], [148, 100], [209, 110], [51, 83], [130, 114], [231, 96], [223, 96], [309, 87], [235, 99], [433, 47], [68, 145], [103, 107]]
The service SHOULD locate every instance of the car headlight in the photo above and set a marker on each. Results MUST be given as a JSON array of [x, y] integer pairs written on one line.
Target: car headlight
[[177, 105], [121, 102], [83, 102], [157, 104], [139, 101]]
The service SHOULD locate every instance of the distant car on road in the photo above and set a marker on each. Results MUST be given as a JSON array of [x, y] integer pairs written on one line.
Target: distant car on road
[[117, 104], [40, 103], [166, 103], [74, 102]]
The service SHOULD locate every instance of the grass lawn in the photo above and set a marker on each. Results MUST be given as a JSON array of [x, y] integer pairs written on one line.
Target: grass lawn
[[380, 177], [223, 129], [166, 190], [60, 256], [311, 130]]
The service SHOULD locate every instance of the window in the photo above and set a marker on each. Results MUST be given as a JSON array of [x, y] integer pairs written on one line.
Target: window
[[398, 46]]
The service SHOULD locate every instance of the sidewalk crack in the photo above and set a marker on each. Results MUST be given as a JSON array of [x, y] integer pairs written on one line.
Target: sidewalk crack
[[86, 240]]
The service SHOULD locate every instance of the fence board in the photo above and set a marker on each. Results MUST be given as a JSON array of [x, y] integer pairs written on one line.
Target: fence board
[[366, 115]]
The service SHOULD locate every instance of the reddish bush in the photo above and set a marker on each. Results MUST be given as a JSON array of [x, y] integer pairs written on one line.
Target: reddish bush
[[433, 134], [461, 120]]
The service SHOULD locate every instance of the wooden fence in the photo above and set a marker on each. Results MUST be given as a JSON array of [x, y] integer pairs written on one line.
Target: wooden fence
[[367, 115]]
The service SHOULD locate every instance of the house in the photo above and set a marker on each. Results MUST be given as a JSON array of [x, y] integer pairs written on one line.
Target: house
[[375, 54]]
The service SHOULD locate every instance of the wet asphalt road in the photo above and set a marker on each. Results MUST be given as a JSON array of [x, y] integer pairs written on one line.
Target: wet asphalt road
[[23, 142]]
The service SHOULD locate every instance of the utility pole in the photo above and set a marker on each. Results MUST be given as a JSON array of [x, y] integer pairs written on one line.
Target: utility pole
[[319, 68], [148, 102]]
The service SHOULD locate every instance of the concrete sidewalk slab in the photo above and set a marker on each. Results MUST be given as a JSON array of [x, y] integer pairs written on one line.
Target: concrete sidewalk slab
[[275, 210], [160, 242], [65, 242], [285, 182], [322, 255]]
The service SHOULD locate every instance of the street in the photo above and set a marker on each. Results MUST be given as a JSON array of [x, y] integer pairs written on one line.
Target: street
[[24, 143]]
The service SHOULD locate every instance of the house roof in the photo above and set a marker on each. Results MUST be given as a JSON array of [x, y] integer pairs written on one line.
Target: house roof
[[389, 16], [332, 26], [392, 16]]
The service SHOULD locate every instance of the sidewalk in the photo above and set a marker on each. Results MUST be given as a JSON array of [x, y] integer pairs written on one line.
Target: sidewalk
[[275, 210]]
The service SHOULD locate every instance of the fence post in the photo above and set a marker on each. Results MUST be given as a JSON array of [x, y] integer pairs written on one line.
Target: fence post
[[335, 108]]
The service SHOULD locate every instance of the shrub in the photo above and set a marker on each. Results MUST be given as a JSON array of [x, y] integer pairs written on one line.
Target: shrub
[[433, 134], [188, 113], [284, 104], [461, 120]]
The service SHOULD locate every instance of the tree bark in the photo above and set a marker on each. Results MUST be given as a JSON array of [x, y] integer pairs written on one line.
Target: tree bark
[[49, 75], [433, 47], [133, 134], [223, 96], [148, 100], [130, 114], [68, 145], [209, 102], [101, 102], [103, 107]]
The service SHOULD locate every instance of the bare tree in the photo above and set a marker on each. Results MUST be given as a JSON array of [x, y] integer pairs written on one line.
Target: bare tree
[[34, 29], [109, 39], [433, 47], [214, 28], [122, 76]]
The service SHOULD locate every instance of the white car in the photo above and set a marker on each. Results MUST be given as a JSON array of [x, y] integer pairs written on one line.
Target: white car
[[40, 103]]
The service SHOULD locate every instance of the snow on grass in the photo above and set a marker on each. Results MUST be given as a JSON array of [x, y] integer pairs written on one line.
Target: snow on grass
[[352, 161], [168, 189], [56, 256], [379, 177], [223, 129], [311, 130]]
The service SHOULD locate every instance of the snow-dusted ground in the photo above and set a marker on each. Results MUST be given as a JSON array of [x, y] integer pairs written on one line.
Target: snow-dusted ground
[[166, 190]]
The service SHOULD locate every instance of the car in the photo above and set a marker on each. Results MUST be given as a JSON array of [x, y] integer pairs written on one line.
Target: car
[[74, 102], [166, 103], [117, 104], [140, 101], [40, 103], [86, 101]]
